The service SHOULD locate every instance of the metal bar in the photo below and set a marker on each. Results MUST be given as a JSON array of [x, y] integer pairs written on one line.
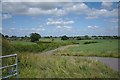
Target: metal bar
[[17, 67], [16, 64], [9, 76], [8, 56], [8, 66]]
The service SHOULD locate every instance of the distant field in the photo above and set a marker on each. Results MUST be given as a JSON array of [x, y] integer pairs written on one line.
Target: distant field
[[103, 48]]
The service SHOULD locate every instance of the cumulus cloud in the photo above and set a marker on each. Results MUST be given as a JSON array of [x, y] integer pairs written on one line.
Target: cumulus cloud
[[37, 0], [58, 22], [79, 8], [93, 27], [6, 16], [69, 27], [56, 9], [107, 4], [113, 20]]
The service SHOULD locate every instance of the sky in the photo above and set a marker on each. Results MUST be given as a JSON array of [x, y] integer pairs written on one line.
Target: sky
[[60, 18]]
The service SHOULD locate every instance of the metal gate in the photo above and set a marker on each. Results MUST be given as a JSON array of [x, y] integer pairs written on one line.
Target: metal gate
[[15, 64]]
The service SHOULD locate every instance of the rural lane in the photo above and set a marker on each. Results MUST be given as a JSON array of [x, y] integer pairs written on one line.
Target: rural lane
[[113, 63]]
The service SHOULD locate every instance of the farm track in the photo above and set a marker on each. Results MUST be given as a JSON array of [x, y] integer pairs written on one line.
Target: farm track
[[113, 63], [60, 48]]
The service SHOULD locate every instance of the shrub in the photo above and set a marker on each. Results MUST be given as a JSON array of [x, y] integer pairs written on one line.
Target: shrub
[[28, 48], [34, 37], [90, 42], [64, 37], [7, 48]]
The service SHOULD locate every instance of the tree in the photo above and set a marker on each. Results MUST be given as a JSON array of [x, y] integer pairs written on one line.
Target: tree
[[6, 36], [86, 37], [34, 37], [79, 38], [64, 37]]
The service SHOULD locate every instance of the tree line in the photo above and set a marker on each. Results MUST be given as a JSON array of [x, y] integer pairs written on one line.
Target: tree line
[[35, 37]]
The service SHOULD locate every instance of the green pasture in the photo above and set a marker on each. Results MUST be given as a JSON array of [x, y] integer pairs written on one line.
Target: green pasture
[[103, 48]]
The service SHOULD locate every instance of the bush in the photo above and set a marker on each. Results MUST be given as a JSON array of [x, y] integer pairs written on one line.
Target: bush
[[90, 42], [34, 37], [28, 48], [64, 37], [7, 48]]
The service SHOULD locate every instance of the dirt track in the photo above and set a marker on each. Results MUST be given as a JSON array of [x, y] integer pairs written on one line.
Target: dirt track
[[60, 48]]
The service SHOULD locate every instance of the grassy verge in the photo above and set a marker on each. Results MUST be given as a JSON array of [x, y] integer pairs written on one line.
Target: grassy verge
[[9, 47], [40, 66], [102, 48]]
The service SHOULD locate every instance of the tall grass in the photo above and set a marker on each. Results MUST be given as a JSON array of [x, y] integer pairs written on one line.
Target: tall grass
[[41, 66]]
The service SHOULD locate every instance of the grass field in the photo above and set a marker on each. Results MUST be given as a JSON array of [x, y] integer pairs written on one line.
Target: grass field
[[103, 48]]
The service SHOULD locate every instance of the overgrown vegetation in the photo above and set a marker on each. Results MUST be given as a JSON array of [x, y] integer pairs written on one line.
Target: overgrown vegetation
[[42, 66], [17, 47], [7, 48]]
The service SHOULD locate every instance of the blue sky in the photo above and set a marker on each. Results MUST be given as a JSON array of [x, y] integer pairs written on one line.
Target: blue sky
[[59, 18]]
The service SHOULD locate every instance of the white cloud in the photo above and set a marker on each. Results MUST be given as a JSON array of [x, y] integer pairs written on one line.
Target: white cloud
[[12, 28], [59, 27], [54, 23], [69, 22], [32, 29], [95, 13], [93, 27], [62, 27], [113, 20], [79, 8], [6, 16], [59, 22], [69, 27], [37, 0], [106, 4], [32, 8], [57, 9]]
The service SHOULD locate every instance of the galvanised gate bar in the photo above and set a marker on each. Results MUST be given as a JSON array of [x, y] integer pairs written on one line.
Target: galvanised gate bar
[[15, 64]]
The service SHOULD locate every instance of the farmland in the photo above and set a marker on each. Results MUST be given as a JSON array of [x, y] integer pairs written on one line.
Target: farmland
[[102, 48], [62, 63], [59, 39]]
